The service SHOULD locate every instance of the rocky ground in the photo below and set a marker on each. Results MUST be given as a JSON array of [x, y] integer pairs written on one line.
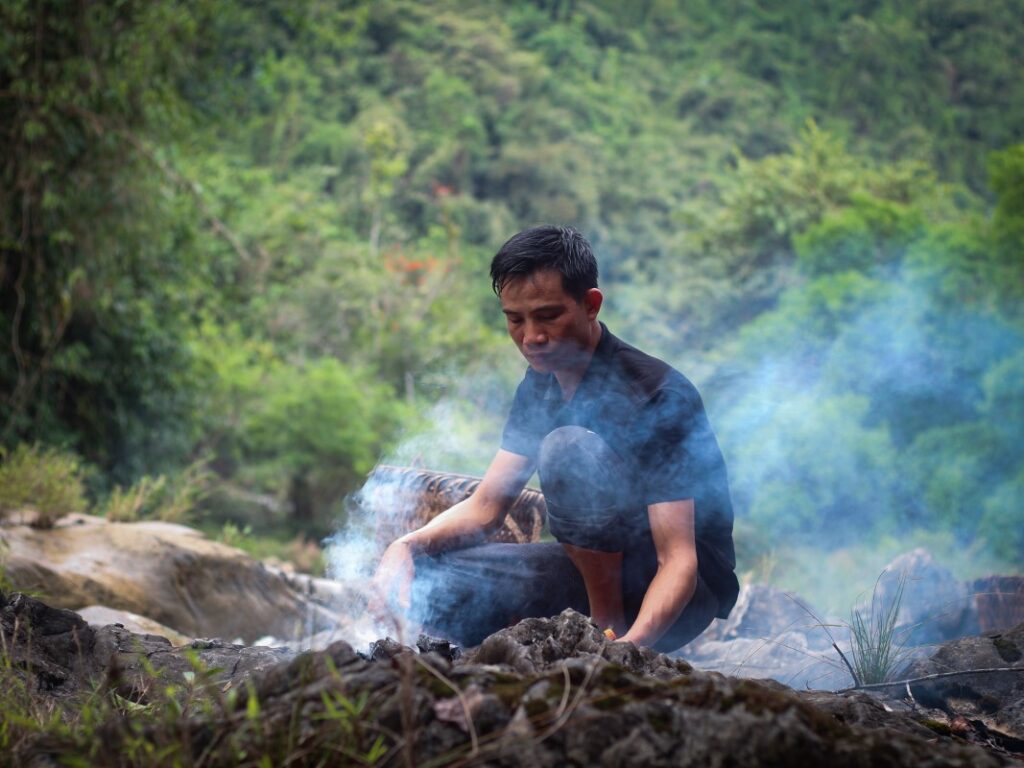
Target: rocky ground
[[544, 692]]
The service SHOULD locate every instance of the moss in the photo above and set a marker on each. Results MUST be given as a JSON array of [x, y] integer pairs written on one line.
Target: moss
[[437, 687], [660, 722], [938, 726], [612, 701], [510, 692], [536, 707], [1007, 649]]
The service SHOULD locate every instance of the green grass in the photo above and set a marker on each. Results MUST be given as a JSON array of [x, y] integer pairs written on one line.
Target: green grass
[[47, 481], [876, 647], [190, 721]]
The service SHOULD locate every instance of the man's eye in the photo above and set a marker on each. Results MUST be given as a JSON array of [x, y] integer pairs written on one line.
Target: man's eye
[[514, 320]]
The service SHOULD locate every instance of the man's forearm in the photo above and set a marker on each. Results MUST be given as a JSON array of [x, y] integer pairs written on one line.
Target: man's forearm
[[667, 595], [473, 519], [464, 524]]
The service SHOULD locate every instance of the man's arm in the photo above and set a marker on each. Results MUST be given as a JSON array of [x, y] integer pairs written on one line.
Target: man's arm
[[463, 524], [673, 530]]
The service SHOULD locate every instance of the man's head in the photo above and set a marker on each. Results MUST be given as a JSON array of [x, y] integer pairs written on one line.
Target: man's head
[[562, 249], [546, 278]]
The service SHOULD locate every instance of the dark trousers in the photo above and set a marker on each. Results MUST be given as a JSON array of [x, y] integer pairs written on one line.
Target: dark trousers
[[467, 594]]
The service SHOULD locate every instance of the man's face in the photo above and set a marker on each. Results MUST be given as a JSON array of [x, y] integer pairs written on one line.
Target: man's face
[[554, 331]]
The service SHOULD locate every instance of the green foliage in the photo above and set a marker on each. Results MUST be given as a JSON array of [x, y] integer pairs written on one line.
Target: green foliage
[[170, 499], [93, 269], [128, 505], [864, 401], [259, 233], [1000, 526], [232, 535], [46, 481], [804, 477]]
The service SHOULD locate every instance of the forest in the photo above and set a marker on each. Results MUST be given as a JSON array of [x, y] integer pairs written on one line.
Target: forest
[[245, 248]]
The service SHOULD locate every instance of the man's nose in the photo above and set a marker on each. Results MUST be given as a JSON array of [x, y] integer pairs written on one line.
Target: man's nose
[[535, 335]]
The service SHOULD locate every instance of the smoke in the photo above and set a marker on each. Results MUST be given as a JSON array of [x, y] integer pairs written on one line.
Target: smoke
[[865, 416], [458, 433]]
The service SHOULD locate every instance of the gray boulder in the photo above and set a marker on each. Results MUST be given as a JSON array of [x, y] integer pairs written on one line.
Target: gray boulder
[[934, 605], [762, 611], [996, 698], [57, 654], [169, 573], [772, 634]]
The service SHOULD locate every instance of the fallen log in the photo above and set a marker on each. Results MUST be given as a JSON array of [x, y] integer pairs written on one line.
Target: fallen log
[[402, 499]]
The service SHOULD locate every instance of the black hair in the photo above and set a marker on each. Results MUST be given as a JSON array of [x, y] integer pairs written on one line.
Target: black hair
[[548, 246]]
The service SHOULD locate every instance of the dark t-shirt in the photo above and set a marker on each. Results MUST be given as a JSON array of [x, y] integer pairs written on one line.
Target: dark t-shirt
[[653, 417]]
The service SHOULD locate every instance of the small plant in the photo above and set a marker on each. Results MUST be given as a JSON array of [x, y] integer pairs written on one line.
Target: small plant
[[128, 505], [44, 480], [183, 493], [160, 498], [876, 649], [232, 535]]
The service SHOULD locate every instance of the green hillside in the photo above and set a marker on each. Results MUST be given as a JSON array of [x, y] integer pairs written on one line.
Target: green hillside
[[256, 234]]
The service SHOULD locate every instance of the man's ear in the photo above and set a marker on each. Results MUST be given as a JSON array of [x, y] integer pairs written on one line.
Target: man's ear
[[592, 301]]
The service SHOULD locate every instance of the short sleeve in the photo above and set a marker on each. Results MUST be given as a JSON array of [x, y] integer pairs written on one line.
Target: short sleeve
[[681, 458], [528, 420]]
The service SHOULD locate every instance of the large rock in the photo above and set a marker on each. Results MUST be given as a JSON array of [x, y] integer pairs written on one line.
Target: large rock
[[994, 698], [771, 634], [102, 616], [762, 611], [168, 573], [934, 605], [59, 655]]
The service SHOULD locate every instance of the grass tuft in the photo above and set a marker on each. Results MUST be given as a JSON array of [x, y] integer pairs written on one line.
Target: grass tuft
[[44, 480], [875, 647]]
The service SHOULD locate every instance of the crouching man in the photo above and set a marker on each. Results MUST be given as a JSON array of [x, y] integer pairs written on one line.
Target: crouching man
[[635, 485]]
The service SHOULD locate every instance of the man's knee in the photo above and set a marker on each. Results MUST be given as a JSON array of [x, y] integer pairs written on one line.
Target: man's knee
[[573, 457], [583, 485]]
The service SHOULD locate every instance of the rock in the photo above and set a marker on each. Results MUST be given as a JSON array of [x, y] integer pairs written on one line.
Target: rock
[[61, 655], [994, 698], [101, 616], [534, 645], [770, 634], [170, 573], [789, 658], [934, 606], [765, 612], [438, 645], [999, 601]]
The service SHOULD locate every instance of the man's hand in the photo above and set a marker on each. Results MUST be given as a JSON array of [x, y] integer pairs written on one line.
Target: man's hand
[[392, 582], [673, 529], [468, 522]]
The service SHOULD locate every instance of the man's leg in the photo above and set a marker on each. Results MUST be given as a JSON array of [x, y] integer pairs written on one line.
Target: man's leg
[[467, 594], [587, 492]]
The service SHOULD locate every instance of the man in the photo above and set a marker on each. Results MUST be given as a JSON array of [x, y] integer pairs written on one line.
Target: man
[[634, 481]]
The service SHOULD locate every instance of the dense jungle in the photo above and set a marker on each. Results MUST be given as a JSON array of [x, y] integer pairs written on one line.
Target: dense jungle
[[245, 247]]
